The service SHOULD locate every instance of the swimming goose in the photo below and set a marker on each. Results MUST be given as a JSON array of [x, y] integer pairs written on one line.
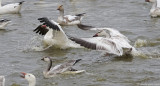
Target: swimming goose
[[68, 19], [54, 35], [30, 78], [10, 8], [155, 10], [58, 69], [2, 81], [3, 23], [112, 42]]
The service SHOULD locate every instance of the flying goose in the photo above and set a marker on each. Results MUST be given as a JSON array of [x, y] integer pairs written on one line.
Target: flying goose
[[10, 8], [155, 10], [59, 69], [30, 78], [3, 23], [68, 19]]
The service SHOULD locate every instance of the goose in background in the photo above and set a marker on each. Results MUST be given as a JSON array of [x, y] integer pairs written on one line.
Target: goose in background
[[107, 39], [155, 10], [2, 81], [59, 69], [3, 23], [10, 8], [54, 35], [68, 19], [30, 78]]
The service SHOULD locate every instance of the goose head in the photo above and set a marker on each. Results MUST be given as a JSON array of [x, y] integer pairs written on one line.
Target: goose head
[[46, 59], [60, 8], [4, 22], [43, 26], [150, 1], [102, 33], [30, 78]]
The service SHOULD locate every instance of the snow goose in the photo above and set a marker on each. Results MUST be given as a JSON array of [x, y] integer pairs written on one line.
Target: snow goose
[[54, 35], [30, 78], [155, 10], [2, 81], [3, 23], [68, 19], [112, 42], [10, 8], [59, 69]]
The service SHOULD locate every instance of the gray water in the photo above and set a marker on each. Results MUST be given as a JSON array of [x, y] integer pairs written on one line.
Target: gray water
[[131, 17]]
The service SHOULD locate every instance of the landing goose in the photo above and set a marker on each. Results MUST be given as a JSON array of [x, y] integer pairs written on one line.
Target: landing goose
[[155, 10], [54, 35], [30, 78], [3, 23], [107, 39], [68, 19], [2, 81], [59, 69], [10, 8]]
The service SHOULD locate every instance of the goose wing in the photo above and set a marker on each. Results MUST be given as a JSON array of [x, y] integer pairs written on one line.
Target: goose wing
[[99, 43], [58, 34], [40, 30]]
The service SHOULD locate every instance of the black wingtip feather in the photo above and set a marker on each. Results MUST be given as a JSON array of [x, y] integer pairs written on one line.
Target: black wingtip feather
[[21, 2], [84, 43], [84, 27], [48, 23], [77, 61], [40, 30]]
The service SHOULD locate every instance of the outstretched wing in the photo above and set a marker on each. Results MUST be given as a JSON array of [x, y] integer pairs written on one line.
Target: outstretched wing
[[99, 43], [40, 30], [58, 33]]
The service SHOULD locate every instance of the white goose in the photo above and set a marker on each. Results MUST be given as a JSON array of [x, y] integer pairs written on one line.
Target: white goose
[[30, 78], [59, 69], [155, 10], [54, 35], [68, 19], [2, 81], [113, 42], [10, 8], [3, 23]]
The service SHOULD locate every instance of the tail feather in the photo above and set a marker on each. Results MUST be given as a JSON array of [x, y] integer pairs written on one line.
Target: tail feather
[[21, 2], [84, 27], [82, 14], [77, 61]]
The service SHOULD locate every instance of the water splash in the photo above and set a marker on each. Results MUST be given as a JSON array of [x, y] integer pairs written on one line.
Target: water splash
[[140, 43], [34, 44]]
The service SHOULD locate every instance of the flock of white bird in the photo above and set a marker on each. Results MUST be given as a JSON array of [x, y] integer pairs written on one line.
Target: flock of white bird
[[107, 39]]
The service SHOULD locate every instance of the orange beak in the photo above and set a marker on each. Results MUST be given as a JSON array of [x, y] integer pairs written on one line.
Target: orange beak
[[23, 74]]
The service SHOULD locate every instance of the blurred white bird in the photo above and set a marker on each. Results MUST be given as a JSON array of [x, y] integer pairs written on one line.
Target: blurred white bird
[[10, 8]]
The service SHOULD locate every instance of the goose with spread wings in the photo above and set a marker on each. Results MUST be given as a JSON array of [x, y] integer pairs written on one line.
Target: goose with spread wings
[[120, 40], [54, 35]]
